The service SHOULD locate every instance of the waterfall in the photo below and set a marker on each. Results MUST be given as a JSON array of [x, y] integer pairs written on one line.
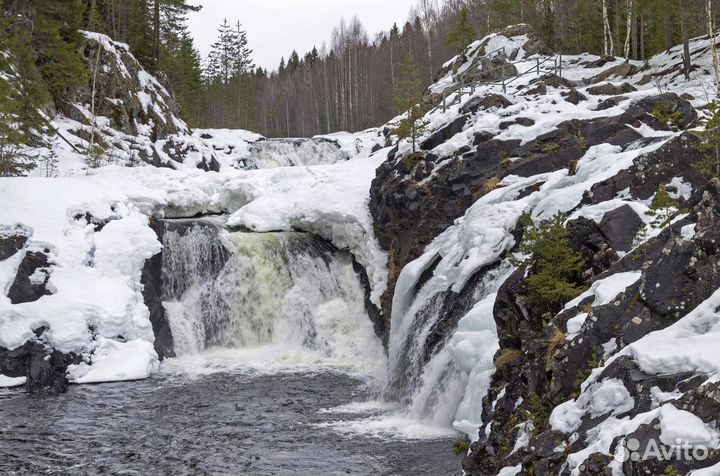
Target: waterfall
[[271, 153], [290, 292], [431, 370]]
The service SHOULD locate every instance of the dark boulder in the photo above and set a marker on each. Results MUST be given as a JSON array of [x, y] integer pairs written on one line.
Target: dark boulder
[[445, 133], [29, 288], [12, 241], [484, 103], [610, 102], [620, 226], [574, 97], [211, 165], [609, 89]]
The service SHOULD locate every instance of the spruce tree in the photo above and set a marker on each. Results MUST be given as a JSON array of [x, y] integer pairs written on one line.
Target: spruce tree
[[22, 94], [462, 33], [554, 266], [407, 95]]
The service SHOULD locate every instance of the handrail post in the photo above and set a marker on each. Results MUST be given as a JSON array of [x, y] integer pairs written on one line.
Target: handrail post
[[538, 65], [444, 102], [502, 70], [560, 66]]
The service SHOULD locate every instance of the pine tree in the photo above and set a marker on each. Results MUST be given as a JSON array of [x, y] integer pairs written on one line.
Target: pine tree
[[408, 97], [462, 33]]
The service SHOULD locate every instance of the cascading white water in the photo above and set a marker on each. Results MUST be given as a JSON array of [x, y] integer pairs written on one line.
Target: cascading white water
[[429, 370], [289, 294], [271, 153]]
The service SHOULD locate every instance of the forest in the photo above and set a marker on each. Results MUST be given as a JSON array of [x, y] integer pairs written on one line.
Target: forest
[[347, 83]]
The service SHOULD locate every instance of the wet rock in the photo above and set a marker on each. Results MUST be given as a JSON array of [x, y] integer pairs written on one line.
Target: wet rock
[[609, 89], [31, 280], [44, 368], [152, 282]]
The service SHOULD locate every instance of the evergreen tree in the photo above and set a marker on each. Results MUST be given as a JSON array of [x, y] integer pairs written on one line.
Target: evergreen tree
[[221, 61], [408, 97], [243, 60], [22, 94], [293, 61], [462, 33], [554, 266]]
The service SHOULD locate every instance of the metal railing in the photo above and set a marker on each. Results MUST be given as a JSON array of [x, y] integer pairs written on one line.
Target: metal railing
[[465, 82]]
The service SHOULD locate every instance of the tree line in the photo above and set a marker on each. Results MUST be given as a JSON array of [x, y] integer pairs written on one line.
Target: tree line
[[348, 83]]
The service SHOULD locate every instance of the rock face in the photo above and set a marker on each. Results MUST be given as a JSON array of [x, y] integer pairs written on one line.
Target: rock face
[[152, 282], [675, 275], [409, 209], [134, 102], [31, 279], [12, 240], [43, 367]]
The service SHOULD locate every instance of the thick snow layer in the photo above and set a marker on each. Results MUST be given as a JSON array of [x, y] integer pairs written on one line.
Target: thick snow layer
[[11, 381], [329, 201], [115, 361], [689, 345]]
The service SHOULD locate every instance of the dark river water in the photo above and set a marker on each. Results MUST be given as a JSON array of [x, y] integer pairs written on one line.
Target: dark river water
[[218, 424]]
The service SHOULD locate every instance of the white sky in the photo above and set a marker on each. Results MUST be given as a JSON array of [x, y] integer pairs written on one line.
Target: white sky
[[276, 27]]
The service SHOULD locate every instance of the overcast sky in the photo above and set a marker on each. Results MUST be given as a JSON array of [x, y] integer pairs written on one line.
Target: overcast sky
[[276, 27]]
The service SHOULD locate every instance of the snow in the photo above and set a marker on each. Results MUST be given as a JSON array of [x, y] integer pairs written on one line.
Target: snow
[[609, 397], [689, 345], [682, 427], [6, 382], [473, 347], [510, 470], [607, 289], [116, 361], [688, 232], [684, 189], [574, 325]]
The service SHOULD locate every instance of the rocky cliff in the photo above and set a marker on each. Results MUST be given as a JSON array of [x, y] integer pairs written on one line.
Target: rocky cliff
[[625, 365]]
